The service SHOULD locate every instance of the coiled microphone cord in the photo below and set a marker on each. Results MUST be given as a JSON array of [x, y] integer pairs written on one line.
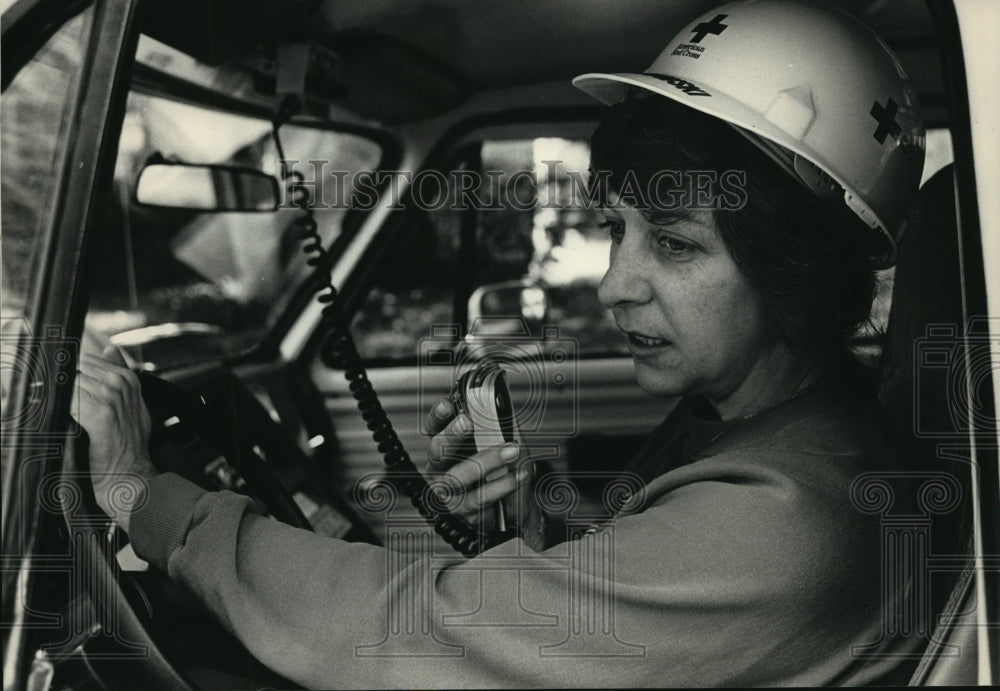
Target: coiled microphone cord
[[341, 352]]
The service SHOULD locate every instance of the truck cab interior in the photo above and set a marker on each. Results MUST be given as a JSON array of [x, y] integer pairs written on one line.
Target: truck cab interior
[[152, 154]]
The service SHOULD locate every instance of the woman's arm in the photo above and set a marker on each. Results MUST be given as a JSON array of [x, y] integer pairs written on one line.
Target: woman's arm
[[718, 582]]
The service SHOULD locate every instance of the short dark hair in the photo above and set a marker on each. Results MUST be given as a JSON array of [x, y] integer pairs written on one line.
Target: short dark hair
[[810, 258]]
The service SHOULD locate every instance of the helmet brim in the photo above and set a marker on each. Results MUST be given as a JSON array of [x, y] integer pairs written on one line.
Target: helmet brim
[[610, 88]]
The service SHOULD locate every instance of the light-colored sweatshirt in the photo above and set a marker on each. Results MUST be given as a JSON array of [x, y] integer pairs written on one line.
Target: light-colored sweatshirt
[[745, 561]]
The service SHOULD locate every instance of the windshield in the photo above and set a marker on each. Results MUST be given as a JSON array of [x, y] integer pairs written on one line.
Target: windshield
[[176, 287]]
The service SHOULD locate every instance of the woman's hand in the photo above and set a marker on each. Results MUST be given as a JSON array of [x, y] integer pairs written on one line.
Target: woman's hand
[[109, 406], [450, 446]]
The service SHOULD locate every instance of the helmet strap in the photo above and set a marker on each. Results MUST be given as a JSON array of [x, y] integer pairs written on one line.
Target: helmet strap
[[814, 179], [808, 174]]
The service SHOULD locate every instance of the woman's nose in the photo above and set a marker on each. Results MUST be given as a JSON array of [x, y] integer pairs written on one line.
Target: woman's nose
[[624, 280]]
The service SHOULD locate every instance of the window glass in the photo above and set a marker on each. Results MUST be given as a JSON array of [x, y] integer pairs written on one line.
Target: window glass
[[939, 152], [555, 247], [34, 124], [33, 109], [869, 342], [414, 289], [179, 286], [536, 254]]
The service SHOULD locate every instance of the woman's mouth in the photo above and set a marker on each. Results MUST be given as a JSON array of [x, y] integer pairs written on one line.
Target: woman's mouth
[[643, 342]]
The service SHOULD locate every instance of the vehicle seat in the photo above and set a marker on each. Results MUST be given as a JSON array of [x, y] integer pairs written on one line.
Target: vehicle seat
[[927, 313]]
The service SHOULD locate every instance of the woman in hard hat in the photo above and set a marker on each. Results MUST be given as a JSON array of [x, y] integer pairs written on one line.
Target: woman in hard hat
[[748, 554]]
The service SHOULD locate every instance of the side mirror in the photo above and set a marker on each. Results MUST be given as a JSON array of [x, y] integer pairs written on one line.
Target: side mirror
[[206, 188], [522, 300]]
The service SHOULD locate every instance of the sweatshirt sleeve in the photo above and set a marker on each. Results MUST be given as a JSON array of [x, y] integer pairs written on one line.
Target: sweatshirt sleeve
[[713, 570]]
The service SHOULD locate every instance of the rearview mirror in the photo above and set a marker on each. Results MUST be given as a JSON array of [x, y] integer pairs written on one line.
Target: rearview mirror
[[206, 188], [523, 300]]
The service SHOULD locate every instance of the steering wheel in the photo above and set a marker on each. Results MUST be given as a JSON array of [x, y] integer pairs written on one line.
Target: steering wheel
[[230, 421], [138, 609]]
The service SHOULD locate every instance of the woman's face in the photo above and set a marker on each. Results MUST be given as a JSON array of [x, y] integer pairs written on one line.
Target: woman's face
[[693, 322]]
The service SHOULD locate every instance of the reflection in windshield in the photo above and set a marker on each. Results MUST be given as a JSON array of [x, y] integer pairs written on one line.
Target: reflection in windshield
[[233, 272]]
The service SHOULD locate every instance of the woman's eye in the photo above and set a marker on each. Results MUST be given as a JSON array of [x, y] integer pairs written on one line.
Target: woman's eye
[[674, 245], [616, 230]]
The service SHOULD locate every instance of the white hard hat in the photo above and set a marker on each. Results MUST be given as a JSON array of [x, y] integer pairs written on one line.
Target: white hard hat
[[811, 86]]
